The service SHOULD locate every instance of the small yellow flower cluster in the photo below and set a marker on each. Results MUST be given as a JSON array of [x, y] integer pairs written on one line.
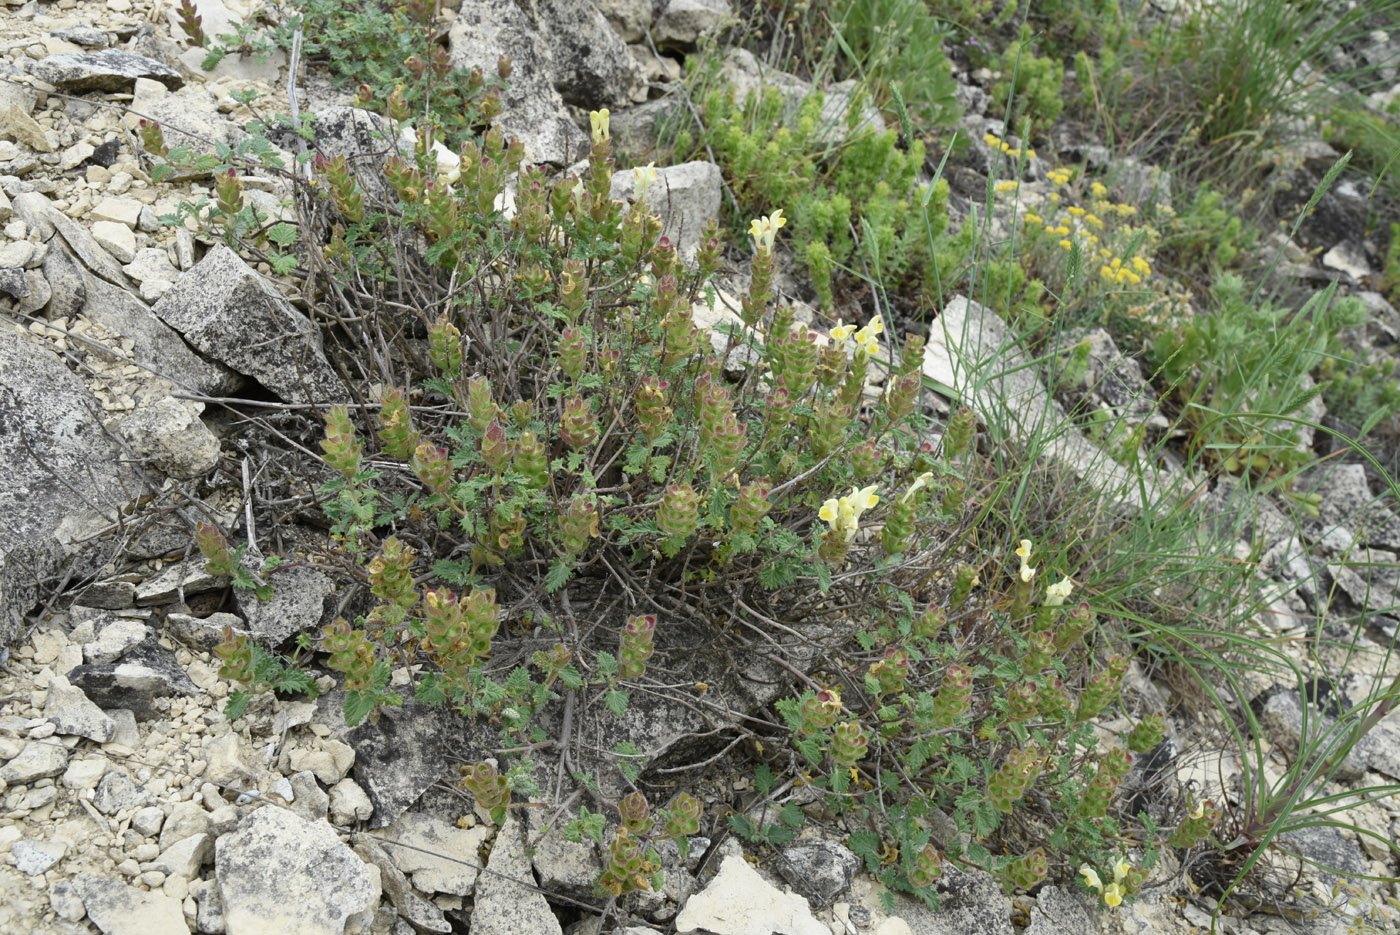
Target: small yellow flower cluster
[[599, 121], [1007, 186], [1098, 190], [643, 177], [1060, 176], [1118, 273], [996, 142], [1023, 552], [1113, 893], [1056, 594], [867, 337], [842, 514], [765, 230]]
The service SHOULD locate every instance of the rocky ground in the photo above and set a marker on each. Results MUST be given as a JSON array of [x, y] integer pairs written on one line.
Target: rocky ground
[[129, 804]]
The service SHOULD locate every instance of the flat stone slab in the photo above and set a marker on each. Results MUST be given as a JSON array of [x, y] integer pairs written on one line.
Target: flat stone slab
[[108, 70]]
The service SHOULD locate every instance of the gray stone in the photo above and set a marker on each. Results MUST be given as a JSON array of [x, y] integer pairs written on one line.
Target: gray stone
[[184, 858], [114, 640], [67, 283], [1327, 850], [532, 109], [14, 283], [145, 672], [85, 773], [33, 857], [413, 908], [566, 867], [684, 21], [108, 595], [440, 857], [819, 870], [65, 901], [117, 791], [108, 70], [151, 263], [592, 66], [279, 872], [37, 211], [309, 800], [147, 821], [628, 18], [85, 36], [209, 908], [1060, 911], [685, 196], [972, 352], [1137, 183], [972, 903], [118, 909], [63, 480], [178, 581], [301, 601], [170, 433], [349, 804], [740, 902], [16, 254], [38, 759], [404, 750], [186, 820], [502, 904], [191, 119], [74, 715], [228, 311], [116, 238], [1282, 720], [203, 633]]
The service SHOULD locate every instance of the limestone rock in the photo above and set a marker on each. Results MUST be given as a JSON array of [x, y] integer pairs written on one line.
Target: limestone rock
[[228, 311], [298, 603], [685, 196], [504, 905], [170, 433], [819, 870], [281, 873], [108, 70], [440, 857], [74, 715], [684, 21], [532, 109], [118, 909], [52, 503], [740, 902]]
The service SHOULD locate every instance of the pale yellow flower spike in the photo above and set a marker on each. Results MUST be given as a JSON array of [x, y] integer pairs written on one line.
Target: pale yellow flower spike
[[599, 120], [1056, 594], [841, 331], [1113, 895], [1091, 877], [765, 230], [643, 177]]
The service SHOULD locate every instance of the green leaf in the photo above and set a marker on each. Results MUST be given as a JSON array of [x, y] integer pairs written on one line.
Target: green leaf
[[558, 575], [160, 172], [430, 690], [283, 234], [778, 835], [763, 779], [616, 700], [357, 706], [792, 816], [571, 679], [744, 826], [986, 819], [607, 664], [629, 760], [823, 573], [865, 844], [237, 704]]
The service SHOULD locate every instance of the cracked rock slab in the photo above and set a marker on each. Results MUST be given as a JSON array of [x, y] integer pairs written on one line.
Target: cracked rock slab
[[281, 873]]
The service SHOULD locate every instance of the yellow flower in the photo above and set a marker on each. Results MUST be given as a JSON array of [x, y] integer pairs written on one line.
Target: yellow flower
[[843, 514], [866, 336], [1120, 870], [764, 230], [991, 140], [1054, 197], [920, 481], [643, 177], [1067, 244], [841, 331], [1033, 218], [1142, 266], [1076, 211], [1061, 230], [1024, 553], [599, 121], [1008, 186], [1098, 190], [1091, 877], [1056, 594], [1113, 895]]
